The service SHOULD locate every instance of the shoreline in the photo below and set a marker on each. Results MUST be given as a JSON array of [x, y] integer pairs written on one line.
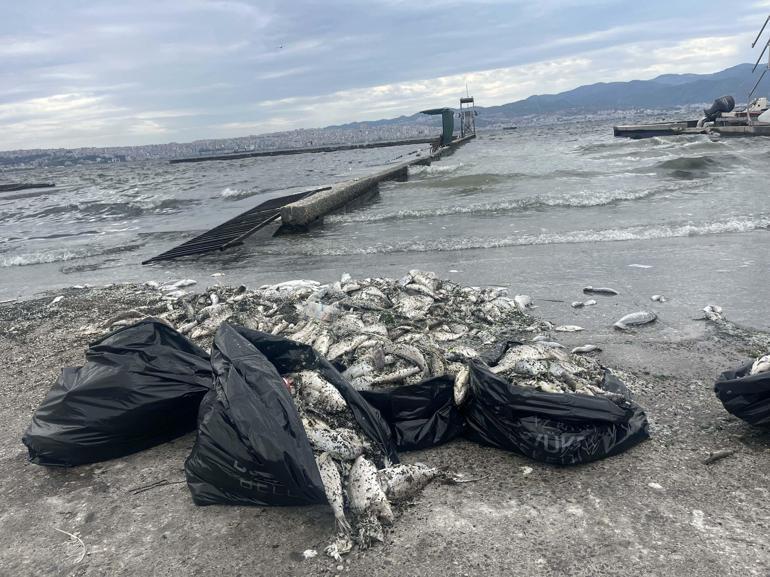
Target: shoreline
[[655, 509]]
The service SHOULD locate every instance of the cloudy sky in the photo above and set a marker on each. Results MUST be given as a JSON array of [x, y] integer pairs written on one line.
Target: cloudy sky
[[105, 72]]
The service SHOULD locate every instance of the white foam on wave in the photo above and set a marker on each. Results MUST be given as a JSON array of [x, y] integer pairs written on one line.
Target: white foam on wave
[[580, 199], [433, 169], [734, 225], [228, 192], [41, 257]]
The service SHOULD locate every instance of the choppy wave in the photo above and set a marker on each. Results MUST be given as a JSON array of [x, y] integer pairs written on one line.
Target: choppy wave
[[111, 210], [735, 225], [39, 257], [436, 169], [238, 194], [690, 163], [62, 255], [584, 199]]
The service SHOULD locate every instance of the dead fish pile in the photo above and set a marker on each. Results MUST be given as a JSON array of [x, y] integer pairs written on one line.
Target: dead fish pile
[[348, 465], [377, 331], [552, 369]]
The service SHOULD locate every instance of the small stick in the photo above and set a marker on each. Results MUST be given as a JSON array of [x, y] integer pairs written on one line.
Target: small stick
[[155, 485], [457, 480], [78, 539], [718, 455]]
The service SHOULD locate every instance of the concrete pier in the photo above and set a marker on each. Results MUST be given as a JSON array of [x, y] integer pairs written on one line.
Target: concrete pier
[[306, 150], [302, 213]]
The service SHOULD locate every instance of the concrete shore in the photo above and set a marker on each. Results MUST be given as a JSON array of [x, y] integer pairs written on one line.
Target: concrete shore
[[655, 510]]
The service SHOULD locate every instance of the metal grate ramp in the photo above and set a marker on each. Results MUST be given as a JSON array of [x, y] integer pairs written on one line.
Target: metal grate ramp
[[234, 231]]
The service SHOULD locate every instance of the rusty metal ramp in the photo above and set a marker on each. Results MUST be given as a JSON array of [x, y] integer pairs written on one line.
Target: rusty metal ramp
[[234, 231]]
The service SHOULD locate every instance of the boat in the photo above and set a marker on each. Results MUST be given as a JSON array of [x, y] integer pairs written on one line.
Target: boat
[[721, 118]]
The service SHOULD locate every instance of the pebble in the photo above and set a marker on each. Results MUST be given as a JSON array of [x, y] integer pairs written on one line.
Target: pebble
[[655, 486]]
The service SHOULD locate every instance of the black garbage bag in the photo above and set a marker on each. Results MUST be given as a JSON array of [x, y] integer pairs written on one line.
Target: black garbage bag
[[745, 396], [555, 428], [251, 447], [420, 416], [140, 386]]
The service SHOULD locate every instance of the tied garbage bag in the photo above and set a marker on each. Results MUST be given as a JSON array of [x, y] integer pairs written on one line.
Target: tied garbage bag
[[251, 447], [555, 428], [745, 395], [140, 386], [420, 416]]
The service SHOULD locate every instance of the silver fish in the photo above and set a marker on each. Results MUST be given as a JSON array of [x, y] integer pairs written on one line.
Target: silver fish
[[635, 319], [578, 304], [600, 291], [396, 376], [322, 343], [343, 347], [461, 384], [401, 482], [406, 352], [330, 476], [658, 298], [761, 365], [365, 493], [585, 349], [342, 444], [568, 328], [316, 392]]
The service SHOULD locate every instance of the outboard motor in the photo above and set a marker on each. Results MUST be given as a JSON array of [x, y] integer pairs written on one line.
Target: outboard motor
[[722, 104]]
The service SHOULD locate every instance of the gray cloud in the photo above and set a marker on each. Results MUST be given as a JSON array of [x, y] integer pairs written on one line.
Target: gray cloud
[[109, 72]]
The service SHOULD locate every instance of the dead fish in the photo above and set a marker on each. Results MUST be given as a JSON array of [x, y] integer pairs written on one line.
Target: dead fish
[[358, 370], [600, 291], [130, 314], [343, 347], [461, 384], [342, 444], [761, 365], [461, 353], [421, 289], [568, 328], [539, 338], [713, 313], [401, 482], [658, 298], [578, 304], [187, 327], [317, 392], [427, 279], [635, 319], [585, 349], [322, 343], [406, 352], [552, 344], [396, 376], [172, 286], [330, 477], [365, 495], [589, 302], [523, 302]]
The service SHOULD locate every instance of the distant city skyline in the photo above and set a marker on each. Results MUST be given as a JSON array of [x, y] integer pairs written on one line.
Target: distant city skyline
[[116, 74]]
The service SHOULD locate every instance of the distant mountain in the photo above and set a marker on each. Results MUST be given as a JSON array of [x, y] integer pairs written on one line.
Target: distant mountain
[[664, 92]]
